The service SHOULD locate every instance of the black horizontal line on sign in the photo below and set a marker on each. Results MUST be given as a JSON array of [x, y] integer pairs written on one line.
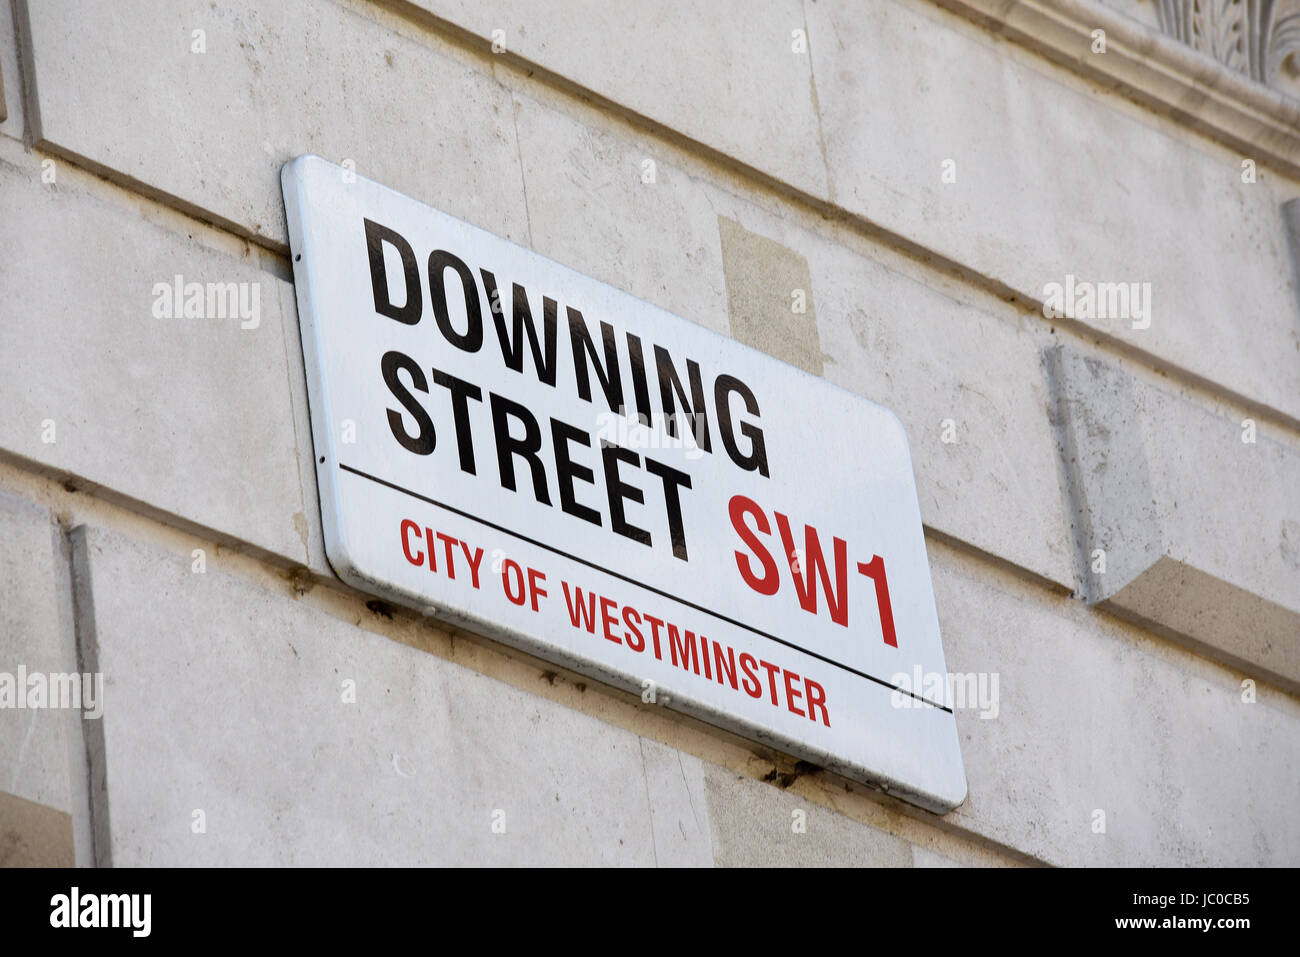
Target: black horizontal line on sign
[[636, 584]]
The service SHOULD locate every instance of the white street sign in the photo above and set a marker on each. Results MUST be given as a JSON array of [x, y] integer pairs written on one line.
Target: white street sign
[[519, 448]]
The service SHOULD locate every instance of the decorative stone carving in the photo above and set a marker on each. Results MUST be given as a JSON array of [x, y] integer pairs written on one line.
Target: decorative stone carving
[[1253, 37]]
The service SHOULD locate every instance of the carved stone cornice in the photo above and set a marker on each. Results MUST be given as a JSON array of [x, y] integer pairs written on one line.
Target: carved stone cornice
[[1157, 70], [1249, 36]]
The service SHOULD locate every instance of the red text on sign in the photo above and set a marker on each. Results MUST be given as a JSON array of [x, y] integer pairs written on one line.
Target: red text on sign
[[808, 566]]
